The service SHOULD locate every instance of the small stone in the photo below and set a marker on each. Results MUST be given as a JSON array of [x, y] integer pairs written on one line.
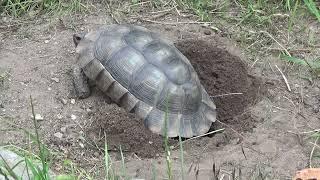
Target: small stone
[[73, 117], [49, 88], [96, 154], [59, 116], [58, 135], [55, 79], [150, 142], [63, 101], [63, 129], [72, 101], [81, 144], [207, 32], [46, 41], [38, 117]]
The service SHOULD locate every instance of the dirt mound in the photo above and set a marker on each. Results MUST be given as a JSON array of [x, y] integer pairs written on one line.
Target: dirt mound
[[219, 71], [224, 76], [125, 130]]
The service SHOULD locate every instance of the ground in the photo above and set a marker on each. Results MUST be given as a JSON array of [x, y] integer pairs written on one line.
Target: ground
[[267, 126]]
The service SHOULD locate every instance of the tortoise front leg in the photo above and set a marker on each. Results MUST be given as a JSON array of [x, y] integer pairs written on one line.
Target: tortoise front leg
[[81, 83]]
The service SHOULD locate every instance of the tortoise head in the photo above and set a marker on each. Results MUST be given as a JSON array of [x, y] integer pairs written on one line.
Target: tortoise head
[[78, 37]]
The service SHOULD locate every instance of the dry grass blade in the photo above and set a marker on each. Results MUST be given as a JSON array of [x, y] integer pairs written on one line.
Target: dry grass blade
[[196, 137], [228, 94], [284, 49], [284, 78], [312, 151]]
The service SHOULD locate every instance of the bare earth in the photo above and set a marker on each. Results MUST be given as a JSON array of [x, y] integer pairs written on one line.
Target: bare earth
[[263, 124]]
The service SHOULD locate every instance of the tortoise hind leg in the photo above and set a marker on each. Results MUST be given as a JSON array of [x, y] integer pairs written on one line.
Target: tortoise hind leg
[[80, 83]]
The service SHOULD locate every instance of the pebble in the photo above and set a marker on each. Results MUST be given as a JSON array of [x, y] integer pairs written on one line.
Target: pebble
[[81, 144], [150, 142], [72, 101], [46, 41], [63, 101], [59, 116], [73, 117], [49, 88], [55, 79], [58, 135], [38, 117], [207, 32], [96, 154], [63, 129]]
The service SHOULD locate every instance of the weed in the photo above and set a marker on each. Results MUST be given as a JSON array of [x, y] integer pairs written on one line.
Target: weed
[[313, 65], [313, 8], [18, 8]]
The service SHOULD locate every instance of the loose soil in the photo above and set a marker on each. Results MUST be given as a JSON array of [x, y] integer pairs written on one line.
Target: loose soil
[[222, 72]]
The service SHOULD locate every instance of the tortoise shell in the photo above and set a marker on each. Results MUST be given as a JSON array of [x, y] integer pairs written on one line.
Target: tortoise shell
[[147, 75]]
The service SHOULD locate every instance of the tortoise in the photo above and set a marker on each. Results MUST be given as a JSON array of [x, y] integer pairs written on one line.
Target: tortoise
[[145, 74]]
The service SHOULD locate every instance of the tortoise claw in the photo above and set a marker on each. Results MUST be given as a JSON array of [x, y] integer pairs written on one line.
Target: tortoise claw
[[80, 83]]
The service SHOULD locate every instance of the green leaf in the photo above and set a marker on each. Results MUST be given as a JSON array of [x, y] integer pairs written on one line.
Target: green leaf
[[294, 60], [313, 8]]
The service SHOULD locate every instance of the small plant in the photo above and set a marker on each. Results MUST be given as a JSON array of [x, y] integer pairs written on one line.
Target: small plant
[[313, 65], [313, 8]]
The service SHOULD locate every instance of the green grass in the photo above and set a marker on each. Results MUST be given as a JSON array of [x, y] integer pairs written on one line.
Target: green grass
[[19, 8], [313, 65], [37, 168]]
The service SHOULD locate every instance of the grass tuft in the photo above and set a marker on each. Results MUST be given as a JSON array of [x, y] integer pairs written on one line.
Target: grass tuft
[[18, 8], [313, 8]]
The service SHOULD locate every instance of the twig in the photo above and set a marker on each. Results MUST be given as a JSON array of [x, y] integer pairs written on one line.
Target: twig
[[315, 144], [291, 50], [174, 23], [212, 132], [229, 94], [285, 79], [306, 132], [312, 151], [111, 13], [287, 52]]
